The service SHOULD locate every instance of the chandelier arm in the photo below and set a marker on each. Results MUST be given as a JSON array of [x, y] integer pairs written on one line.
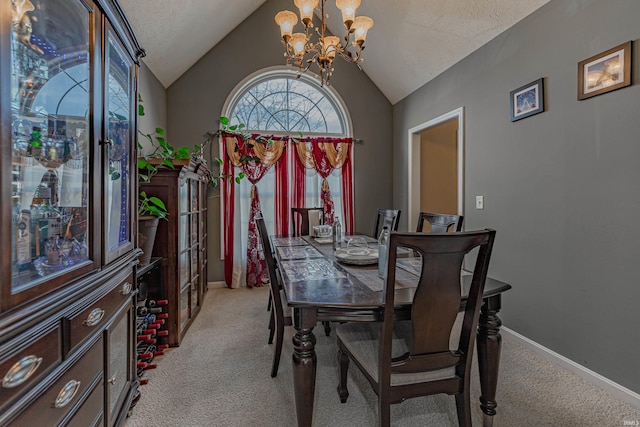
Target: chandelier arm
[[324, 51]]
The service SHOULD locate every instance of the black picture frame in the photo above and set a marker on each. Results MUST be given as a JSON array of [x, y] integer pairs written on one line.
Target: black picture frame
[[527, 100]]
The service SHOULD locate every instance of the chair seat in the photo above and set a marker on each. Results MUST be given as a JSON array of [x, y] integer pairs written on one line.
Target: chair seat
[[362, 341]]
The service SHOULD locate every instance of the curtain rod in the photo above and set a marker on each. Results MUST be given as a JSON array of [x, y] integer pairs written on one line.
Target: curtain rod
[[355, 140]]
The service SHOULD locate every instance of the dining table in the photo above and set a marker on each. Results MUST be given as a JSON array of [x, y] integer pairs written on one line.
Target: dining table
[[324, 284]]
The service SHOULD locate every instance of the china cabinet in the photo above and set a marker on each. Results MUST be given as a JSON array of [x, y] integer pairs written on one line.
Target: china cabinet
[[68, 73], [181, 242]]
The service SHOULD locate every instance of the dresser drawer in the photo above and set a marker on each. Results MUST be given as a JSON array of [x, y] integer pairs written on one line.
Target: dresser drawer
[[23, 366], [56, 402], [91, 412], [93, 318]]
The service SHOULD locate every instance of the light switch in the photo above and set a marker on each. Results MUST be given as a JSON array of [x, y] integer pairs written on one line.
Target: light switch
[[479, 202]]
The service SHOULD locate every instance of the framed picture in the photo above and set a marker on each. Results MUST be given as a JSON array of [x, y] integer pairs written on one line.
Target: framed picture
[[607, 71], [527, 100]]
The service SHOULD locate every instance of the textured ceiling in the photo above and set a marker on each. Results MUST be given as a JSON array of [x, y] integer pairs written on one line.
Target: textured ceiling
[[412, 41]]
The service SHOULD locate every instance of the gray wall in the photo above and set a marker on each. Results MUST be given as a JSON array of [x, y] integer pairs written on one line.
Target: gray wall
[[195, 103], [560, 187], [154, 96]]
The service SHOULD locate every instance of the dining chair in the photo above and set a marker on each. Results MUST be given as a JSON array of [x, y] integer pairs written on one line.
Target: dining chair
[[388, 217], [440, 223], [278, 319], [430, 353], [308, 217]]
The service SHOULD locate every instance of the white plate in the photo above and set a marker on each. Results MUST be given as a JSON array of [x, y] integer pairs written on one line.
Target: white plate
[[358, 258], [358, 251], [324, 240]]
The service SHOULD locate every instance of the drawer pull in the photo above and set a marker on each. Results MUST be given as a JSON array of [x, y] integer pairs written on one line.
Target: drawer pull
[[21, 371], [112, 380], [94, 317], [67, 393], [126, 288]]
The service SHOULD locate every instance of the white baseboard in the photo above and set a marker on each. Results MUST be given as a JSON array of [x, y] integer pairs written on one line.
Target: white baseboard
[[220, 284], [592, 377]]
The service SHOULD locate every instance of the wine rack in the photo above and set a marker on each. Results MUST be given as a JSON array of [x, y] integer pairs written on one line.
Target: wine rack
[[151, 318]]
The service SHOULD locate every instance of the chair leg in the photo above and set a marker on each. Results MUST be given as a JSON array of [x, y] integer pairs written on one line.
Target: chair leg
[[269, 303], [463, 406], [272, 325], [343, 361], [384, 409], [327, 328], [277, 350]]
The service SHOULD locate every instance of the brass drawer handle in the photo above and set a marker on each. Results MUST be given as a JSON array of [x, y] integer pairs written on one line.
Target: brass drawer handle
[[94, 317], [21, 371], [66, 394], [126, 288], [112, 380]]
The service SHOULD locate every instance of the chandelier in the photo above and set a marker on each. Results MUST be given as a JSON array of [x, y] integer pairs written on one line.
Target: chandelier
[[302, 51]]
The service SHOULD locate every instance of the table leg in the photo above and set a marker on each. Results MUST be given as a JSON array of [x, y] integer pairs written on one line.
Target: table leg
[[488, 345], [304, 364]]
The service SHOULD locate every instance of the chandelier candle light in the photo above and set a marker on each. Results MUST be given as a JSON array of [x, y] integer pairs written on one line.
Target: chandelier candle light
[[302, 51]]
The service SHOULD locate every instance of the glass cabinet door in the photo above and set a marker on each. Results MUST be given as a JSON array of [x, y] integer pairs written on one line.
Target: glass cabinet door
[[118, 105], [50, 141]]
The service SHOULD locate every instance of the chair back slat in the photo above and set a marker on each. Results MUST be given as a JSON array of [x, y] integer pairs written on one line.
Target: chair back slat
[[440, 223], [271, 265], [303, 219], [386, 217], [437, 298]]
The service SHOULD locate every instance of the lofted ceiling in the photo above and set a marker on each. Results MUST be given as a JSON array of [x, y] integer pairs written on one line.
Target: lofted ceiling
[[412, 41]]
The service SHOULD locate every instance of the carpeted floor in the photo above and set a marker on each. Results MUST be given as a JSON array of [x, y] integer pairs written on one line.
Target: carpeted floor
[[220, 376]]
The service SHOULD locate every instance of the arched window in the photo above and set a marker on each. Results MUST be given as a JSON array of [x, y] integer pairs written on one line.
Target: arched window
[[278, 101]]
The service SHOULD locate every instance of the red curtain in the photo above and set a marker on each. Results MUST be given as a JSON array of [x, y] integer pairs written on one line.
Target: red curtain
[[324, 155], [298, 185], [347, 193], [254, 161], [324, 169], [234, 149], [228, 195], [282, 201]]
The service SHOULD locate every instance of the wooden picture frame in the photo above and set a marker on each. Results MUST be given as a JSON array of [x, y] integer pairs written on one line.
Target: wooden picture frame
[[604, 72], [527, 100]]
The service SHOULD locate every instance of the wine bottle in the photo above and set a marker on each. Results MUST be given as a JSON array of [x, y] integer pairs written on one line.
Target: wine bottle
[[35, 143], [383, 247], [23, 241], [337, 234], [53, 250]]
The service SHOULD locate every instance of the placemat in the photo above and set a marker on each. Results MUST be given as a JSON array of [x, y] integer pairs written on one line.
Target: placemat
[[288, 241], [297, 252], [311, 269]]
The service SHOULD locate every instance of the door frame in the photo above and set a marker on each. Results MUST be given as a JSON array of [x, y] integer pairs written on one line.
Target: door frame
[[414, 146]]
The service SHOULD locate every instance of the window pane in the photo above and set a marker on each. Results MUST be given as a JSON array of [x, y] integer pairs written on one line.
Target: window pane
[[285, 104]]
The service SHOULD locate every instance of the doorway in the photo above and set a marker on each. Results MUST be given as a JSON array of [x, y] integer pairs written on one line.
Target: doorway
[[436, 166]]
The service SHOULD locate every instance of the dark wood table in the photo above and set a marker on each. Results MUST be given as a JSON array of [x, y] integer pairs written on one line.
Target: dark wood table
[[320, 289]]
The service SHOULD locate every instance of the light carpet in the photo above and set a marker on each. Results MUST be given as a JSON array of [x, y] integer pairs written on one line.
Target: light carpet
[[220, 376]]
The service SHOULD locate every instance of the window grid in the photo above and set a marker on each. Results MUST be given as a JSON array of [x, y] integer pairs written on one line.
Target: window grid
[[283, 104]]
